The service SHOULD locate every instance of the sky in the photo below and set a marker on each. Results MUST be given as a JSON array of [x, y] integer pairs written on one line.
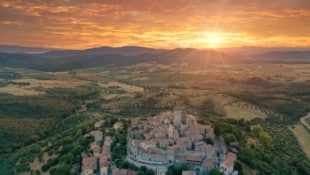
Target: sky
[[80, 24]]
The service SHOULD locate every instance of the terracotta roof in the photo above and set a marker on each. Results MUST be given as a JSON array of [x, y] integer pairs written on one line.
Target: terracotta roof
[[231, 155], [147, 135], [180, 157], [88, 167], [152, 150], [118, 125], [229, 162], [117, 171], [195, 158], [234, 150], [107, 138], [208, 164], [88, 160], [162, 140], [94, 144], [135, 121], [166, 121], [200, 144], [136, 143], [106, 150], [96, 133], [174, 147], [86, 135], [103, 161], [89, 163], [99, 123], [96, 149], [149, 142]]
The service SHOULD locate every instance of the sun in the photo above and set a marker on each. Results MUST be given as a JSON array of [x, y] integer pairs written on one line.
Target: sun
[[214, 40], [208, 40]]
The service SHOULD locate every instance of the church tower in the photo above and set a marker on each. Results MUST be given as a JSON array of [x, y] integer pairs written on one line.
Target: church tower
[[171, 132], [177, 117]]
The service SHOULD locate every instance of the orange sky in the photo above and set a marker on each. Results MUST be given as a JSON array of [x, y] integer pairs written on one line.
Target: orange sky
[[81, 24]]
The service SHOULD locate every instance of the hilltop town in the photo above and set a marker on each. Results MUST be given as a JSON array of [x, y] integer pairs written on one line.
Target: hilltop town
[[175, 139], [158, 143]]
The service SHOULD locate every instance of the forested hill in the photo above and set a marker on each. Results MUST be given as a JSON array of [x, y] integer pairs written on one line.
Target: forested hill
[[67, 60], [77, 59]]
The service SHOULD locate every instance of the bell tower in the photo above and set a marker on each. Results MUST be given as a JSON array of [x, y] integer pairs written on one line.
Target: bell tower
[[171, 132], [177, 117]]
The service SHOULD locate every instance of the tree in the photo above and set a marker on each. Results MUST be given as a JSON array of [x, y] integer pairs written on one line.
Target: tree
[[38, 172], [238, 166], [77, 150], [64, 170], [141, 173], [143, 169], [67, 158], [170, 170], [215, 172], [229, 137], [265, 138], [149, 172], [217, 130], [256, 130], [68, 140], [181, 168]]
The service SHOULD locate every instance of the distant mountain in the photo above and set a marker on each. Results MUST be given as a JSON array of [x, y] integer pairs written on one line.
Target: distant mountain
[[190, 56], [18, 60], [126, 51], [286, 55], [250, 51], [67, 60], [21, 49], [74, 59], [194, 57]]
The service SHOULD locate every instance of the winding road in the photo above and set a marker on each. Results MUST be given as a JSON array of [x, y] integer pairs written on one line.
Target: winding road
[[303, 121]]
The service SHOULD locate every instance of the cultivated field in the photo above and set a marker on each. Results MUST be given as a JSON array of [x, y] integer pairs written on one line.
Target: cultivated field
[[20, 91], [35, 83], [126, 87], [242, 110], [303, 137]]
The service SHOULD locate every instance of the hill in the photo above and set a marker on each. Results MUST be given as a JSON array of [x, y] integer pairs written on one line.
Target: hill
[[125, 51], [122, 56], [67, 60], [21, 49], [250, 51], [293, 57]]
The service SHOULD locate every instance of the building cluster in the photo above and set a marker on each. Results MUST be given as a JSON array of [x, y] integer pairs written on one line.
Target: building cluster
[[98, 162], [117, 171], [174, 139]]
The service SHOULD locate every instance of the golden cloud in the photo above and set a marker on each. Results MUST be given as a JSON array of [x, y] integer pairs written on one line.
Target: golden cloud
[[212, 23]]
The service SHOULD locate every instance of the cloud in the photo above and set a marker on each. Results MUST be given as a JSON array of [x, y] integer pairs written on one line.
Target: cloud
[[161, 23]]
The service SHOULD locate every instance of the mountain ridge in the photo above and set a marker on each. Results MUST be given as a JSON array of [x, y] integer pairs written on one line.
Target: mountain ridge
[[129, 55], [24, 49]]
